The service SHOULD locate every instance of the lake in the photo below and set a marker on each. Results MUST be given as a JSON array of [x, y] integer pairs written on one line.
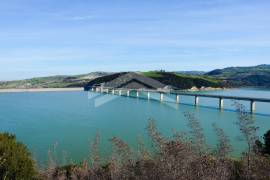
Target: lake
[[70, 120]]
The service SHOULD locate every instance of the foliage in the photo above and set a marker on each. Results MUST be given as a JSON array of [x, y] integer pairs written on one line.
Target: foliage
[[179, 158], [244, 76], [15, 160], [52, 81], [248, 129], [223, 146], [198, 139], [102, 79], [94, 156], [152, 74], [233, 71], [156, 137], [184, 81], [180, 81], [264, 148], [267, 142]]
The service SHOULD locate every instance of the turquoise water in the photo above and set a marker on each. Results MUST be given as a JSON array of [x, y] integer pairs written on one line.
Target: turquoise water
[[71, 119]]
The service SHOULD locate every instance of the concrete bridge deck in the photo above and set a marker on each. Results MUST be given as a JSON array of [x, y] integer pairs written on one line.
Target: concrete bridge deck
[[178, 94]]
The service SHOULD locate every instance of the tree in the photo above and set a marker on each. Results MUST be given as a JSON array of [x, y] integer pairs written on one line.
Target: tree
[[266, 138], [15, 159], [264, 147]]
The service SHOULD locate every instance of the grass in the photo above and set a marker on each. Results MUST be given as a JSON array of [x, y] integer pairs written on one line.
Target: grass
[[155, 74], [52, 81], [152, 74], [183, 81], [206, 78]]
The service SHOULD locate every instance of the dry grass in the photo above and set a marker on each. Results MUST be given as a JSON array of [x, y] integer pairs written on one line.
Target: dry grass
[[180, 158]]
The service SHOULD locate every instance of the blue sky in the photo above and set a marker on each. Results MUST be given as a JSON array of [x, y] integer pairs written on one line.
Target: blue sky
[[49, 37]]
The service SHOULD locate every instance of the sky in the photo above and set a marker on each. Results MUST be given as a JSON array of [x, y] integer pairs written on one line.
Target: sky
[[52, 37]]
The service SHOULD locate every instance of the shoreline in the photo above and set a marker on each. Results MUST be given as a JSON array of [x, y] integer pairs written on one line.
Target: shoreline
[[40, 90], [195, 89]]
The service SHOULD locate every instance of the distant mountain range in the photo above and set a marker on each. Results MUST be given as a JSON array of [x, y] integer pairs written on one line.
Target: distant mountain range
[[244, 76], [228, 77]]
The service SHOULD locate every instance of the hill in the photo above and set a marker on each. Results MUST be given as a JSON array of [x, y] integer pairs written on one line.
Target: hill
[[244, 76], [129, 80], [176, 81], [196, 73], [231, 76], [53, 81], [184, 81]]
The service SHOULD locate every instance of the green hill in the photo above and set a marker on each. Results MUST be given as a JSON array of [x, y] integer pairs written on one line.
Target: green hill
[[231, 76], [244, 76], [176, 81], [184, 81]]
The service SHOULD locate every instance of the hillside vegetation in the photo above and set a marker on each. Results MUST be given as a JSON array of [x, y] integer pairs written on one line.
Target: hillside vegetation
[[244, 76], [176, 81], [53, 81], [184, 81], [227, 77]]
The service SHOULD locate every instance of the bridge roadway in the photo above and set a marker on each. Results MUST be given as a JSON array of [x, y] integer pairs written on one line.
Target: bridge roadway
[[178, 94]]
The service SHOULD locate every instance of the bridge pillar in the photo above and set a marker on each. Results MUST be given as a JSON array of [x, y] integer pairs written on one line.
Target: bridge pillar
[[252, 106], [161, 97], [92, 89], [138, 94], [107, 91], [120, 92], [196, 101], [148, 95], [128, 93], [221, 103], [177, 99], [113, 91]]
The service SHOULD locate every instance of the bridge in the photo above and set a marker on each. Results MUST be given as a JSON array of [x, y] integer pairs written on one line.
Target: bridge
[[178, 94]]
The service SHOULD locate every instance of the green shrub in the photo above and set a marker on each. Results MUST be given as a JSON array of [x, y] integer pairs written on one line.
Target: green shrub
[[266, 138], [15, 160], [264, 147]]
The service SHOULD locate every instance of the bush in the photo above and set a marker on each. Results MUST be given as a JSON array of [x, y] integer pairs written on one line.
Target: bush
[[184, 157], [264, 147], [15, 160], [267, 142]]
